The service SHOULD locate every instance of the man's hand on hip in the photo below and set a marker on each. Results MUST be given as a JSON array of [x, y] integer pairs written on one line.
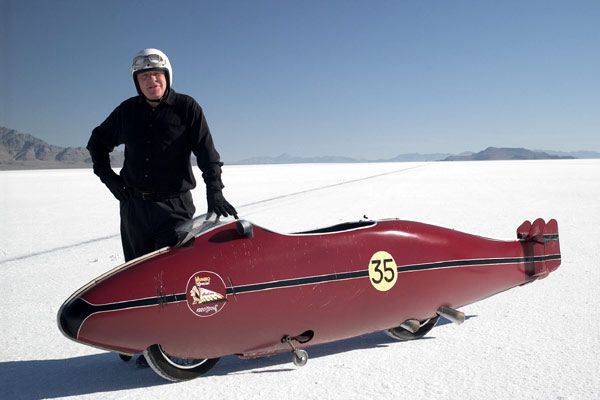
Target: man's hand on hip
[[117, 187]]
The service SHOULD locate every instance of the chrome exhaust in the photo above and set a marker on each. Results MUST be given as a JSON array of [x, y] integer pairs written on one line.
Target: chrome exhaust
[[458, 317], [411, 325]]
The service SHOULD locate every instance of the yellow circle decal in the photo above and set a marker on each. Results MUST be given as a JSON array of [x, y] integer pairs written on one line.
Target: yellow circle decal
[[383, 272]]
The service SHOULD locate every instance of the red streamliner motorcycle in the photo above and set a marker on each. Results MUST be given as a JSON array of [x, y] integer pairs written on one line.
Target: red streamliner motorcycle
[[232, 287]]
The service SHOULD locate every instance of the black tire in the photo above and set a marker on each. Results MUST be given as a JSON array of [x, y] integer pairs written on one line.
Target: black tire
[[176, 369], [125, 357], [402, 334]]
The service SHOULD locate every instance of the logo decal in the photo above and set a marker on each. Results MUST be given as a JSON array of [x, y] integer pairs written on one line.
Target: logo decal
[[205, 293]]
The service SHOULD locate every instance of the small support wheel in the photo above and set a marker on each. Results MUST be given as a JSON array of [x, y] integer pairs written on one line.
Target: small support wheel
[[125, 357], [300, 358]]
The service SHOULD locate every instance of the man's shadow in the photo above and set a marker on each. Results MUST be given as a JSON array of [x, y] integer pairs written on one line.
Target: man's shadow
[[105, 372]]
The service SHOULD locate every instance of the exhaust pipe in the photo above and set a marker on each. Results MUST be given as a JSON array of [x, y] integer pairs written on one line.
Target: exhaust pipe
[[411, 325], [458, 317]]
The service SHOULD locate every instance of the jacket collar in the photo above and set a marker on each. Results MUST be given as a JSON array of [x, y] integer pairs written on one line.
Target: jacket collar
[[170, 98]]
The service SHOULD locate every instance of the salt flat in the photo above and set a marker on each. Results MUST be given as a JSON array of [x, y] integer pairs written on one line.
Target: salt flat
[[60, 229]]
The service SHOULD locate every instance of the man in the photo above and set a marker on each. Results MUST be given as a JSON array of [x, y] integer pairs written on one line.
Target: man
[[160, 129]]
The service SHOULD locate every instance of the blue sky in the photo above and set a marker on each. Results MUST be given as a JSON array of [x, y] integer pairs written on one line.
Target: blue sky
[[366, 79]]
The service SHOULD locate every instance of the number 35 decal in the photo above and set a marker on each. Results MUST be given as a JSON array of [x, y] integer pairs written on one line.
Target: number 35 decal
[[383, 271]]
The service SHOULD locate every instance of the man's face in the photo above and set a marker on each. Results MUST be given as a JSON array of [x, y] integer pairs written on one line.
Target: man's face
[[152, 84]]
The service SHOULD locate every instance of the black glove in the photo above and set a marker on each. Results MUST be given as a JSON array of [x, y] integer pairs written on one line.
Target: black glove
[[218, 204], [117, 186]]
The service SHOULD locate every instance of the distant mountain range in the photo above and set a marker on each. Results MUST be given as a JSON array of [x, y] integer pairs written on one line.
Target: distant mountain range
[[289, 159], [24, 151], [491, 153], [504, 153]]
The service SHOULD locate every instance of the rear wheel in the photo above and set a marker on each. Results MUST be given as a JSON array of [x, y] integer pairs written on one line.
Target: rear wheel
[[175, 368], [402, 334]]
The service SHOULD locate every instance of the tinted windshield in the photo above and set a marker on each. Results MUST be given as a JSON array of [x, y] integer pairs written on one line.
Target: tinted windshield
[[197, 226]]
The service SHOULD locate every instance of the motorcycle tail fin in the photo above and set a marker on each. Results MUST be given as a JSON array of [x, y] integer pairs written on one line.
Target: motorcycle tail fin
[[552, 245], [541, 245]]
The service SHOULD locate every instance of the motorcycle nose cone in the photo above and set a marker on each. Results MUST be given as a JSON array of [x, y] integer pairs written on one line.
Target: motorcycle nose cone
[[71, 316]]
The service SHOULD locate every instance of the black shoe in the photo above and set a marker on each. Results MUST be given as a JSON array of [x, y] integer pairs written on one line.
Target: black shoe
[[141, 362]]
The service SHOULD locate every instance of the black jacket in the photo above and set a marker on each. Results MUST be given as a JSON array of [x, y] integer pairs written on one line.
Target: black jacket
[[158, 145]]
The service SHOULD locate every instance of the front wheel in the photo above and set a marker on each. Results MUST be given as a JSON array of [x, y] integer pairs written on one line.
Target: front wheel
[[177, 369], [402, 334]]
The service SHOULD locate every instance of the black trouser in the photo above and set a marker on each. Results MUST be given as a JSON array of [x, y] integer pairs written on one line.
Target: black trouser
[[150, 225]]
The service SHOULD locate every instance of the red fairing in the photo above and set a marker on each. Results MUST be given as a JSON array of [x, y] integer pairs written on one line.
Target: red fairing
[[231, 293]]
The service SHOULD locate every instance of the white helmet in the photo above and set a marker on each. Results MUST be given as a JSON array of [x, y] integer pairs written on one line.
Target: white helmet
[[151, 60]]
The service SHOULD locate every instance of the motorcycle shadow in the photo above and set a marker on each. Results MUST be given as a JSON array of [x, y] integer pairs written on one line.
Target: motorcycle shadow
[[232, 365], [77, 376], [104, 372]]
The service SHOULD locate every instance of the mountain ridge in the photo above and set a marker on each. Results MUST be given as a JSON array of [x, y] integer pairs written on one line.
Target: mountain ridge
[[507, 153], [25, 151]]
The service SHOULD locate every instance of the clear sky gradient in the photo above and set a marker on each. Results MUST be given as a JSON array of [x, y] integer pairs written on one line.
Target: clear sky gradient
[[368, 79]]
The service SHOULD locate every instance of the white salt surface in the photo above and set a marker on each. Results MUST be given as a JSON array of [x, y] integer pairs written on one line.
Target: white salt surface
[[59, 229]]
